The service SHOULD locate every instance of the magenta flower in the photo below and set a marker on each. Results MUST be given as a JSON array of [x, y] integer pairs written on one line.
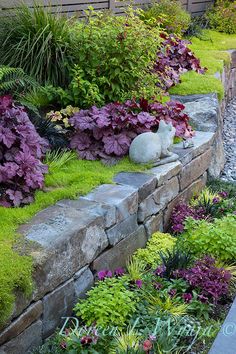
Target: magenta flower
[[172, 292], [104, 274], [139, 283], [160, 271], [187, 297], [157, 285], [216, 200], [223, 194], [119, 272]]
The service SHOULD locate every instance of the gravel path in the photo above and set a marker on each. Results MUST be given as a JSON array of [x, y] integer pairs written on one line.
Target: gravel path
[[229, 173]]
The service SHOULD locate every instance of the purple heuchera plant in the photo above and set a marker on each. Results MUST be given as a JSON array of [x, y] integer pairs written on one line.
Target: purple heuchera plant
[[21, 148], [183, 211], [173, 59], [212, 282], [108, 131]]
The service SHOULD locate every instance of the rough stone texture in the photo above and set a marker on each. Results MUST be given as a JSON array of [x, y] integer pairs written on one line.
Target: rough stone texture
[[57, 304], [117, 256], [83, 282], [165, 172], [153, 224], [158, 200], [202, 142], [69, 240], [144, 182], [203, 111], [195, 169], [106, 211], [187, 194], [23, 343], [31, 315], [124, 198], [225, 341], [122, 230]]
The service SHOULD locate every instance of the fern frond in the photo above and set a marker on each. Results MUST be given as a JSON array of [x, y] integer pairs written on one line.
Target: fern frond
[[15, 81]]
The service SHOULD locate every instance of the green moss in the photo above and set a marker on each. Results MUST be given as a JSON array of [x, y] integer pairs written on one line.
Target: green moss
[[193, 83], [211, 50], [75, 178]]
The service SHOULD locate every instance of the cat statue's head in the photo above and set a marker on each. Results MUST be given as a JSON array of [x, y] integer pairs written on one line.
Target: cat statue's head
[[166, 128]]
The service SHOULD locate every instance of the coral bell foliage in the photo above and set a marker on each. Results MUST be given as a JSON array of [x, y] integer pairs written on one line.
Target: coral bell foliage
[[21, 148], [174, 59], [108, 131], [213, 282]]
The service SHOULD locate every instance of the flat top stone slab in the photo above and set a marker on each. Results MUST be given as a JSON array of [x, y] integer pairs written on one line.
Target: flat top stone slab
[[202, 141], [53, 224], [123, 197], [144, 182], [167, 171]]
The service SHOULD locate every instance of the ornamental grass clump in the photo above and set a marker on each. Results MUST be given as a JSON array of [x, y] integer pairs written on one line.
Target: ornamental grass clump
[[108, 131], [39, 42], [21, 171]]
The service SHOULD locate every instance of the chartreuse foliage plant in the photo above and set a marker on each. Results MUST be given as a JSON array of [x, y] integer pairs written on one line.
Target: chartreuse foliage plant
[[150, 255], [222, 17], [169, 14], [68, 177], [113, 56], [210, 49], [109, 303], [216, 239]]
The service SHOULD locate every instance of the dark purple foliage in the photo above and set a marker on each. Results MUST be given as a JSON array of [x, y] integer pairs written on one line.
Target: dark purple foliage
[[21, 149], [108, 131], [210, 281], [183, 211], [174, 59]]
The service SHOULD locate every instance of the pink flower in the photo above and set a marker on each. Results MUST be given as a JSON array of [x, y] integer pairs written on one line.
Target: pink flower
[[104, 274], [187, 297], [147, 345]]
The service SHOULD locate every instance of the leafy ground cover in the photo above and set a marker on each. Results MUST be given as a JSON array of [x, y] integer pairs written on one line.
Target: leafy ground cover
[[64, 180], [168, 298], [210, 47]]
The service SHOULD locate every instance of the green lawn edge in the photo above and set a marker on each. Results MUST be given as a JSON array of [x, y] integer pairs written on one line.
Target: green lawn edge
[[211, 48]]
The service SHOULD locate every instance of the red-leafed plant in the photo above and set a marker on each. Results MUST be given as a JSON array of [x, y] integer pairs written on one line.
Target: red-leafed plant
[[173, 59], [108, 131], [21, 148]]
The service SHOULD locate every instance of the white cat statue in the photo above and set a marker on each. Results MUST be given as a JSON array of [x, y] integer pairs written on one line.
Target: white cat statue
[[155, 148]]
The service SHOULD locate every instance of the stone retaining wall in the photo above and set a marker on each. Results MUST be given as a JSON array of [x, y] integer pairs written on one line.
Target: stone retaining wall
[[74, 239]]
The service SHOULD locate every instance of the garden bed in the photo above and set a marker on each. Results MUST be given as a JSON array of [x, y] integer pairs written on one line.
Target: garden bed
[[93, 230]]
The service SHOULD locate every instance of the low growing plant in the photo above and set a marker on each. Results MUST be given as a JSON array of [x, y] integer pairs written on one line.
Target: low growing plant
[[109, 303], [108, 131], [151, 254], [217, 239], [21, 171]]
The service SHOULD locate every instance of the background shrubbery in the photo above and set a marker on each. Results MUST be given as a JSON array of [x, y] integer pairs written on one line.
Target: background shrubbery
[[222, 17]]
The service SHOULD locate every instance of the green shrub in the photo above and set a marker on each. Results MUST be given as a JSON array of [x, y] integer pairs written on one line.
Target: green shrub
[[222, 16], [109, 303], [114, 55], [150, 255], [38, 42], [169, 14], [215, 239]]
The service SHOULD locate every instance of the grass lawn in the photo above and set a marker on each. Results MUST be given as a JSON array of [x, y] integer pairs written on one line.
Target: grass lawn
[[211, 49], [76, 177]]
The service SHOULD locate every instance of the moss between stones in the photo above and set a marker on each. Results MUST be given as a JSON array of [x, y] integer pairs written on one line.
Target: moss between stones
[[77, 177], [211, 49]]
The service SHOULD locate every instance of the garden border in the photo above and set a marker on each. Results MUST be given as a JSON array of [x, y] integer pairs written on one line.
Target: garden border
[[74, 239]]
